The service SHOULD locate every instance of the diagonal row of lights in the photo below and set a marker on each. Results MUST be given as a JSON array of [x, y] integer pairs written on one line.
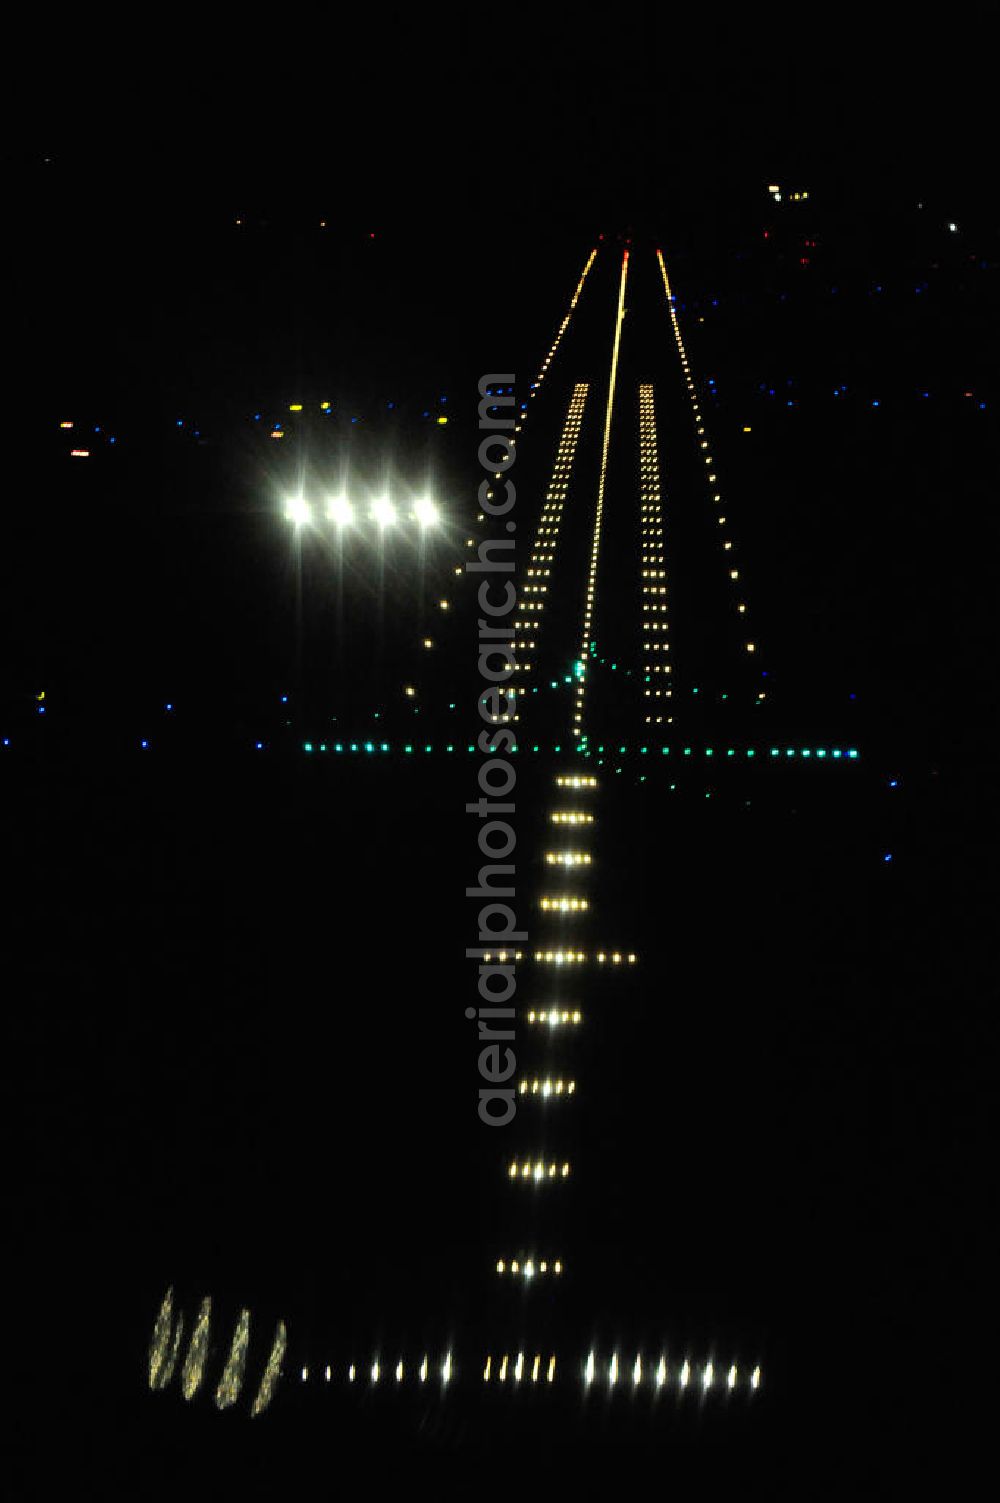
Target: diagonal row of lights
[[534, 587], [727, 543]]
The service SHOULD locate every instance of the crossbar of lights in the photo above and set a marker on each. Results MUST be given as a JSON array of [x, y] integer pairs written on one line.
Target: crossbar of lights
[[581, 957], [529, 1268], [343, 512], [652, 566], [591, 590], [538, 1171], [546, 1087], [727, 542]]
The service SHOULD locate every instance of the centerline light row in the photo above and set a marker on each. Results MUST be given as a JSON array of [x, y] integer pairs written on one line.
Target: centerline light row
[[340, 510], [591, 588]]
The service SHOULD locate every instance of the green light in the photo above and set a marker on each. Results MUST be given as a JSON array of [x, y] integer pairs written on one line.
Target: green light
[[427, 748], [643, 750], [308, 746], [708, 751], [449, 748], [852, 753], [322, 746], [751, 752], [666, 751], [730, 752], [790, 752], [821, 753], [687, 751], [806, 752], [407, 748], [774, 751], [338, 747]]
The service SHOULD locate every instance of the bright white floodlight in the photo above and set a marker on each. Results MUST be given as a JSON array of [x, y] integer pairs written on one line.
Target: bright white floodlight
[[339, 510], [426, 513], [298, 510], [383, 511]]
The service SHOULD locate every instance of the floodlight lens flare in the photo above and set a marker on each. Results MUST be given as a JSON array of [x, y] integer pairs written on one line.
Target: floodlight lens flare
[[339, 510], [298, 510]]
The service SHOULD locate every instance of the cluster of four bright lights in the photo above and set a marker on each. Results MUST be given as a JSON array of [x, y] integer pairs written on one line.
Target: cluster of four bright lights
[[341, 511]]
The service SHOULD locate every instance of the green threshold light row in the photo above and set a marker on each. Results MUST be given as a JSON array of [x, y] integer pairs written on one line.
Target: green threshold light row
[[821, 753]]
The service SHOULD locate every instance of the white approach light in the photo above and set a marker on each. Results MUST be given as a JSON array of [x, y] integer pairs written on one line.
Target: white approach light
[[426, 513], [298, 510], [340, 510], [383, 511]]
